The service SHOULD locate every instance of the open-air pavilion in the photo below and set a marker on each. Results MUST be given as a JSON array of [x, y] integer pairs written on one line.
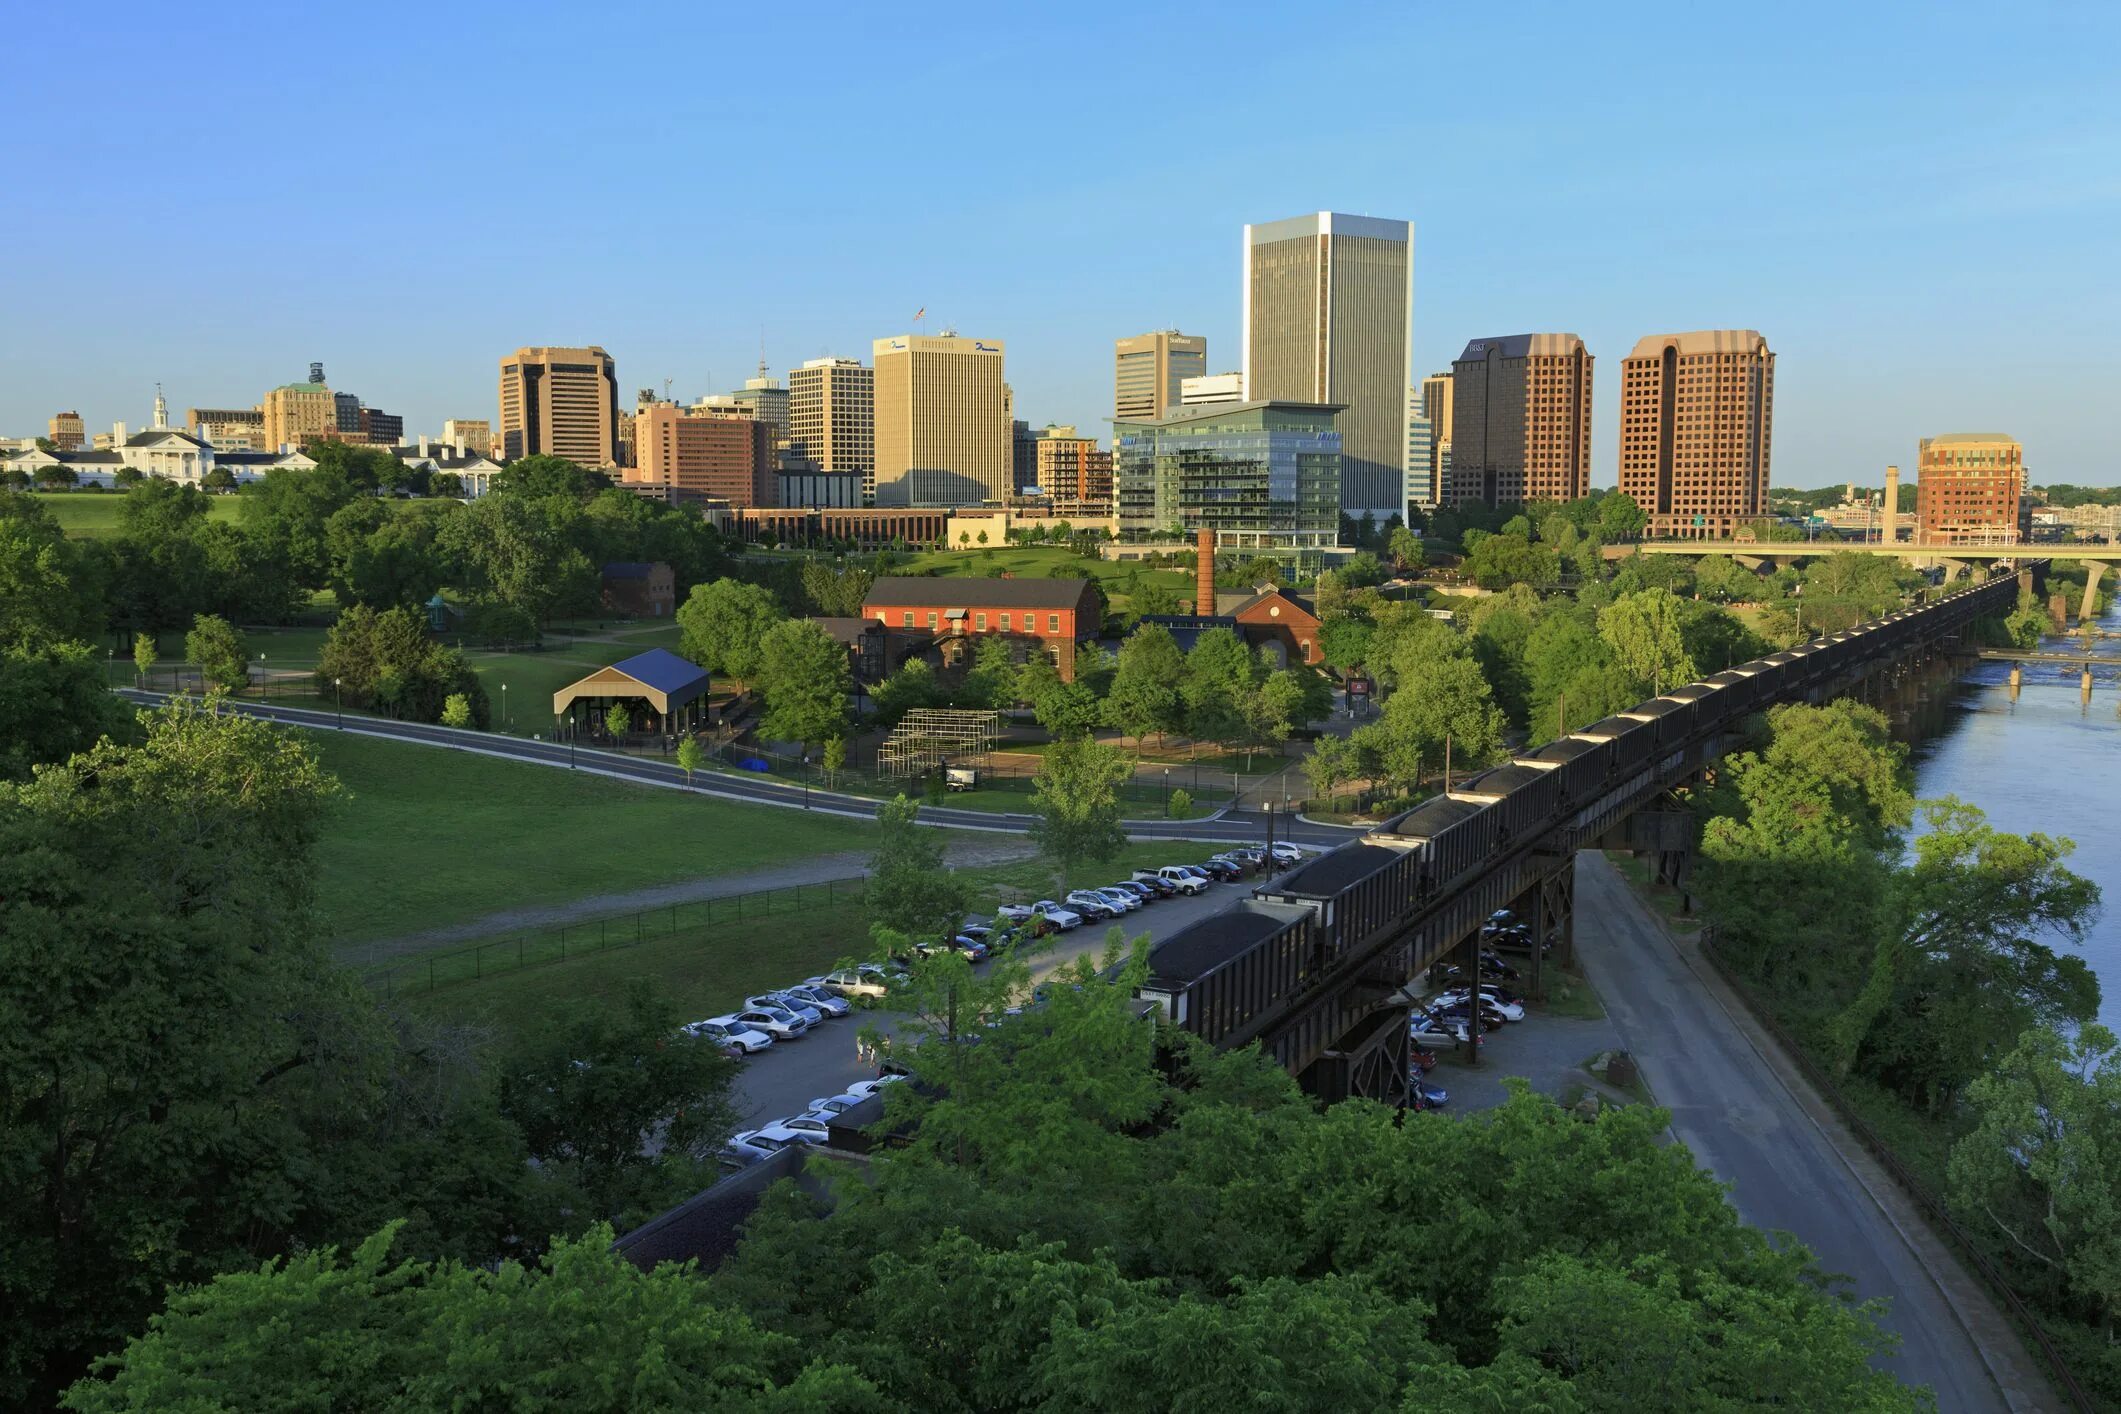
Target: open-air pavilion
[[663, 694]]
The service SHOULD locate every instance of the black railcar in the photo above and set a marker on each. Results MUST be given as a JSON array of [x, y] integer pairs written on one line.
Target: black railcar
[[1582, 763]]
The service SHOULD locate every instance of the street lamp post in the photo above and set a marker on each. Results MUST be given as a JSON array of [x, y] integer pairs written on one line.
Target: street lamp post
[[1167, 790], [264, 682], [340, 698], [507, 722]]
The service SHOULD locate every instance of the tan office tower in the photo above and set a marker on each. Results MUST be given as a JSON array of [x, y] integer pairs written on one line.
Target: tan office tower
[[562, 402], [1073, 471], [1521, 421], [726, 456], [473, 434], [942, 425], [1696, 421], [1969, 489], [68, 432], [1329, 318], [1148, 368], [297, 413], [832, 417]]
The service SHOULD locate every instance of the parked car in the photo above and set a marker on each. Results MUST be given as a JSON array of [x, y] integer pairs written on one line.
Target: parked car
[[1093, 906], [780, 1023], [832, 1106], [1508, 1011], [810, 1128], [970, 948], [765, 1001], [1222, 870], [853, 982], [1285, 853], [1434, 1096], [1126, 900], [728, 1031], [1155, 883], [814, 994], [866, 1088], [1490, 1019], [1141, 891], [1429, 1032], [960, 778], [1046, 908], [976, 930], [1419, 1059], [1182, 879], [753, 1146]]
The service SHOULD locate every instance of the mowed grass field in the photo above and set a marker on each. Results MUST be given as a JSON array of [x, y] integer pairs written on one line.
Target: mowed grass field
[[93, 513], [425, 837], [706, 971]]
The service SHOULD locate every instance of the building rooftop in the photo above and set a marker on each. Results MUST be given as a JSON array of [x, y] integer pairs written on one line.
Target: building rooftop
[[302, 388], [628, 569], [915, 591], [1522, 346], [1199, 948], [664, 671], [1211, 412], [1951, 438], [1702, 341]]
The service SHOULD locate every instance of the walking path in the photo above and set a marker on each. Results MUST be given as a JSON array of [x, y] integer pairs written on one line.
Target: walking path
[[1750, 1117], [819, 869]]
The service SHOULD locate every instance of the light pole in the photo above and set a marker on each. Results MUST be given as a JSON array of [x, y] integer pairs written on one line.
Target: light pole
[[264, 682], [507, 722], [110, 666], [572, 729], [1167, 790], [340, 698]]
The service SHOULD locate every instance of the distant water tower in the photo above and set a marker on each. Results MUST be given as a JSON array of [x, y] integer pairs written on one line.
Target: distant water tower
[[316, 373]]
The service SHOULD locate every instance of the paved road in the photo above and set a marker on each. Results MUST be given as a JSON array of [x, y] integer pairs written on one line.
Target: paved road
[[1231, 826], [1743, 1124], [784, 1079]]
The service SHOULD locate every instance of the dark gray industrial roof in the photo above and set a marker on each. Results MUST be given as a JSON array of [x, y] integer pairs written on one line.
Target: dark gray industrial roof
[[914, 591], [666, 672]]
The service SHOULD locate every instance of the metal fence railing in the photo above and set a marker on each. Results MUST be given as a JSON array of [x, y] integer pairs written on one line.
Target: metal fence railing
[[1932, 1207], [556, 942], [1150, 786]]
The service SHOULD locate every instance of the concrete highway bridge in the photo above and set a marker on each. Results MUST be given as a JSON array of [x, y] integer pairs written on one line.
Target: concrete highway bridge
[[1317, 964]]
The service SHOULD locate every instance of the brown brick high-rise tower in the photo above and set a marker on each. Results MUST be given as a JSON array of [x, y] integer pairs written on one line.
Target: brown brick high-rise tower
[[1696, 416]]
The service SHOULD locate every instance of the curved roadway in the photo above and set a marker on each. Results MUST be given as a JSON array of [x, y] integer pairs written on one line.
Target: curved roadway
[[1230, 826]]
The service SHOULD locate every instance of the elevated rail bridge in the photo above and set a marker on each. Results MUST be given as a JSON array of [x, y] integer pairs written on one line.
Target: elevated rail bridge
[[1316, 965]]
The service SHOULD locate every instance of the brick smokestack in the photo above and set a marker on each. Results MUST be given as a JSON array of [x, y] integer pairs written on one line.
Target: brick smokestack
[[1204, 572]]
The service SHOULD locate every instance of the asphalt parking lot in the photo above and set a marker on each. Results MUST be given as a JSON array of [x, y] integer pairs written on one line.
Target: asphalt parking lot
[[784, 1079]]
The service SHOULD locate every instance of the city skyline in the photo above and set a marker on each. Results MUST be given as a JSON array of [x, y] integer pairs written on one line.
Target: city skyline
[[1964, 238]]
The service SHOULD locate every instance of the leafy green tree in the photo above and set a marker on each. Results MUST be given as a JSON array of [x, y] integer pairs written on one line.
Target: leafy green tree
[[722, 626], [387, 658], [1035, 677], [1344, 643], [803, 675], [49, 590], [1723, 578], [1291, 699], [1716, 639], [836, 592], [1145, 695], [1406, 549], [218, 651], [546, 477], [55, 700], [1620, 519], [2027, 624], [1066, 709], [1331, 762], [910, 890], [1075, 803], [1447, 701], [1646, 632], [692, 756], [523, 552], [2037, 1166], [144, 655], [1496, 561], [583, 1331], [456, 710], [834, 758], [1180, 806], [1222, 675], [1361, 570], [56, 477], [991, 681], [595, 1081], [913, 685], [618, 721], [383, 557], [291, 509]]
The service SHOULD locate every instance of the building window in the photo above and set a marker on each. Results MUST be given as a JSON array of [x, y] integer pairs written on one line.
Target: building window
[[1005, 623], [932, 619], [1053, 623], [908, 621], [979, 621]]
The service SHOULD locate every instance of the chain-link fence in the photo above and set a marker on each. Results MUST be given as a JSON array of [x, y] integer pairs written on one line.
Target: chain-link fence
[[557, 942]]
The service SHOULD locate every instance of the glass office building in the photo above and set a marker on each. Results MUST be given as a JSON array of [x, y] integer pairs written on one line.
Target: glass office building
[[1262, 475]]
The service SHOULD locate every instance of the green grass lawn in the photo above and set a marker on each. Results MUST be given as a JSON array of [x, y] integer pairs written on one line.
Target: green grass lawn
[[1040, 561], [95, 513], [707, 970], [532, 678], [427, 837]]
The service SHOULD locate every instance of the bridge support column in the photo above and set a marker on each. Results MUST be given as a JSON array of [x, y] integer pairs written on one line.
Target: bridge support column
[[2017, 679], [1473, 1020], [2092, 571]]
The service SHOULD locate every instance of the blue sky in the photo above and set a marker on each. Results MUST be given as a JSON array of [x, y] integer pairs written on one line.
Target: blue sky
[[1915, 204]]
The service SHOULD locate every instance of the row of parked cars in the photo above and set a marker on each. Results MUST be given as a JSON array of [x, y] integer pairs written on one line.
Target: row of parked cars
[[1148, 885], [790, 1013], [1467, 1008], [812, 1126]]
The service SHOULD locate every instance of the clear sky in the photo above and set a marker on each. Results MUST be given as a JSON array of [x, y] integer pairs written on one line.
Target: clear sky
[[1916, 204]]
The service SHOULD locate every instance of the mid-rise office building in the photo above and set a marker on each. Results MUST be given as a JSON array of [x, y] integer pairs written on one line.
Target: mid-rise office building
[[1970, 490], [1148, 369], [721, 455], [1329, 318], [1211, 388], [832, 418], [68, 432], [942, 422], [473, 434], [1421, 454], [1436, 407], [1023, 454], [1073, 470], [560, 402], [1261, 475], [295, 414], [228, 429], [1521, 415], [1696, 422], [761, 397]]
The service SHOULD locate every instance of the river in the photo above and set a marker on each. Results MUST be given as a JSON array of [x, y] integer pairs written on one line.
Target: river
[[2046, 762]]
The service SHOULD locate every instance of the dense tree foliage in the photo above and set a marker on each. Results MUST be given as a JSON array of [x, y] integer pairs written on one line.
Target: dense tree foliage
[[388, 661], [1075, 803], [722, 626], [803, 675]]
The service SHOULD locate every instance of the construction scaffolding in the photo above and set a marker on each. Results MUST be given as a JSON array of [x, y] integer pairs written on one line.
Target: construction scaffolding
[[929, 738]]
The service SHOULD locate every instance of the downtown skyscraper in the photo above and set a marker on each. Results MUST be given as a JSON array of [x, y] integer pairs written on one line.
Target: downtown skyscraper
[[1329, 319], [1696, 424]]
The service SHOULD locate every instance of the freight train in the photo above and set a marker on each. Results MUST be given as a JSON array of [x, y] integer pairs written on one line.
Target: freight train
[[1315, 950]]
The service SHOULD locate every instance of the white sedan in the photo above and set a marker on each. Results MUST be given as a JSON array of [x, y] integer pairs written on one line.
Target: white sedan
[[1508, 1011], [728, 1031], [809, 1128], [866, 1088], [816, 996], [779, 1023], [833, 1106]]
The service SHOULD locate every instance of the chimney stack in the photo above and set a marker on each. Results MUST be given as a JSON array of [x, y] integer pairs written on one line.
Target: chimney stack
[[1204, 572], [1889, 526]]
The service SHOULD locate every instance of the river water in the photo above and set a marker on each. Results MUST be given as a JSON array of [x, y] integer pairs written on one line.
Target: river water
[[2047, 761]]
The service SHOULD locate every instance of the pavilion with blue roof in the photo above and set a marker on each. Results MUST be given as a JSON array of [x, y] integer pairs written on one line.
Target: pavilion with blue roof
[[662, 692]]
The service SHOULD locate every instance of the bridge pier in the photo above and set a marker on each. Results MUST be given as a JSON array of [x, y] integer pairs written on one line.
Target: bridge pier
[[2093, 570]]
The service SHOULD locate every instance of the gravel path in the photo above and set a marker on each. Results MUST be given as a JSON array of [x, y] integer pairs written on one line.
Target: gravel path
[[818, 869]]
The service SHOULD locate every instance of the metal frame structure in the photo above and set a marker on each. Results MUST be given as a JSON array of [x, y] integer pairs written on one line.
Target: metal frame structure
[[927, 738]]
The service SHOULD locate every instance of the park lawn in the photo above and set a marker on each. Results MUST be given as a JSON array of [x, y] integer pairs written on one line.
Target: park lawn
[[427, 837], [707, 971], [532, 678], [90, 514], [1040, 561]]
